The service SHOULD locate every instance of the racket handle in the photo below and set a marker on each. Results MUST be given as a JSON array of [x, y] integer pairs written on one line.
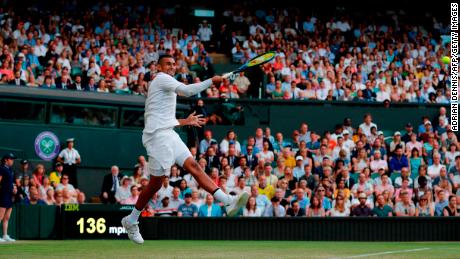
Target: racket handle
[[227, 75]]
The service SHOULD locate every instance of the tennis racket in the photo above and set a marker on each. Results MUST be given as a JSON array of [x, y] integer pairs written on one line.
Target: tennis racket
[[256, 61]]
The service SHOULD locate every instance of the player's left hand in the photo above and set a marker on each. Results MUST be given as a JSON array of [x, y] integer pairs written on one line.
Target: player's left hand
[[196, 120]]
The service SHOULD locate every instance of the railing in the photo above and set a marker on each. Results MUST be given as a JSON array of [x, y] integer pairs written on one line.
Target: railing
[[103, 222]]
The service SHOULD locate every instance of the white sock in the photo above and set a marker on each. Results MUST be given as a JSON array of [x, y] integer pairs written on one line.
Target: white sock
[[134, 216], [222, 197]]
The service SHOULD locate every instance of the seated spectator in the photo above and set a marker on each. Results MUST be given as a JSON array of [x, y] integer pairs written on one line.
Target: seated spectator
[[415, 162], [405, 207], [362, 210], [132, 199], [241, 186], [49, 198], [339, 209], [398, 160], [316, 208], [55, 177], [174, 177], [68, 198], [196, 200], [383, 185], [424, 207], [81, 198], [300, 197], [165, 190], [442, 179], [210, 209], [382, 209], [405, 174], [363, 186], [175, 201], [164, 210], [110, 185], [266, 154], [124, 191], [66, 185], [435, 169], [405, 187], [451, 209], [34, 197], [261, 200], [295, 210], [266, 189], [187, 209], [275, 209]]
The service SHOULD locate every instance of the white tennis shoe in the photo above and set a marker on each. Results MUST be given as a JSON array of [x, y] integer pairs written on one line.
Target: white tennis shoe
[[133, 230], [237, 203], [7, 238]]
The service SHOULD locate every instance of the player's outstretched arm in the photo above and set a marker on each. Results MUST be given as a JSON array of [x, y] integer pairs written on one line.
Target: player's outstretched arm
[[193, 120], [189, 90]]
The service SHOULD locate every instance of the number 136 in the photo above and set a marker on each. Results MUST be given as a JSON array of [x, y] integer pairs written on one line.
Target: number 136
[[93, 225]]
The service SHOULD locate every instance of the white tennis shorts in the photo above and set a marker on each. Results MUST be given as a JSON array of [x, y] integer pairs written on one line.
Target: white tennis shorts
[[164, 148]]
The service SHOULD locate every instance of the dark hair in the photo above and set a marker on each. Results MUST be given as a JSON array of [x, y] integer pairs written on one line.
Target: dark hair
[[164, 56]]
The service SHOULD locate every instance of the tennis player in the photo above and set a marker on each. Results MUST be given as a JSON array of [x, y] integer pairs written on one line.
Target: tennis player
[[164, 146]]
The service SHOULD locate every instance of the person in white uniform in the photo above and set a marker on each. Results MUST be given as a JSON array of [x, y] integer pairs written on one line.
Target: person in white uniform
[[70, 158], [164, 146]]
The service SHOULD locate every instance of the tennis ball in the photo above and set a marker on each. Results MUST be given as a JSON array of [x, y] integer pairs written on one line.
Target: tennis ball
[[445, 60]]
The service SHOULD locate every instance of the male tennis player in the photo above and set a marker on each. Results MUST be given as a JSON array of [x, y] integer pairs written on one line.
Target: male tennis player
[[164, 146]]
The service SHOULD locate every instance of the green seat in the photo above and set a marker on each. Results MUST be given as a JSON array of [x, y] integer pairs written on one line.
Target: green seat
[[394, 176], [354, 176], [76, 71], [387, 133], [375, 175]]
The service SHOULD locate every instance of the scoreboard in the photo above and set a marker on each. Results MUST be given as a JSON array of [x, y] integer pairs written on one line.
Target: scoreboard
[[87, 221]]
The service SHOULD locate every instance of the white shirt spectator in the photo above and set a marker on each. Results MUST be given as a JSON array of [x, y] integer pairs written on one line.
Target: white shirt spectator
[[204, 33], [163, 192], [367, 128], [434, 170], [256, 213], [382, 96]]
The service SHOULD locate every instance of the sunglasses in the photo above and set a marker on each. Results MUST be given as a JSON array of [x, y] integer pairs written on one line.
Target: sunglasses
[[423, 199]]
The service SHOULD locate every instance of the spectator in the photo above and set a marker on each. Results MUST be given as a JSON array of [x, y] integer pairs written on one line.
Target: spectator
[[110, 185], [242, 83], [398, 160], [124, 191], [275, 209], [164, 210], [34, 197], [165, 190], [339, 209], [405, 207], [295, 210], [441, 203], [316, 209], [451, 209], [210, 209], [424, 207], [55, 177], [362, 210], [22, 172], [265, 188], [435, 169], [187, 209], [381, 209]]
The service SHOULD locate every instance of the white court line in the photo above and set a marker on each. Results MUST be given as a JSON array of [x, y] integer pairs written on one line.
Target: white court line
[[386, 253]]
